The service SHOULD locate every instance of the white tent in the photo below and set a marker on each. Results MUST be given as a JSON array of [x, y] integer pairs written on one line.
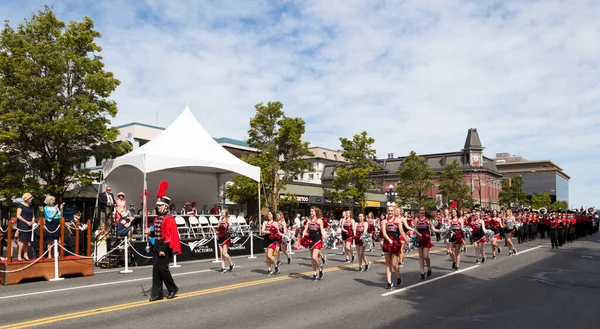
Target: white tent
[[186, 156]]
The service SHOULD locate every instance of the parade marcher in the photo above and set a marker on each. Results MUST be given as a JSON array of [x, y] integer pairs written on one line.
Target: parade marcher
[[272, 236], [347, 224], [224, 240], [553, 230], [508, 224], [391, 229], [315, 232], [456, 239], [360, 228], [422, 226], [494, 224], [478, 227], [166, 243], [282, 245]]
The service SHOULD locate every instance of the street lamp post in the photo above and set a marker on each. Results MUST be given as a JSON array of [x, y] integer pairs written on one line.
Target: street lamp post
[[391, 194]]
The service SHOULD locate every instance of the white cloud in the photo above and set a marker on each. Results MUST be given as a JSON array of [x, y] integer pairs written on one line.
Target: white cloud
[[415, 75]]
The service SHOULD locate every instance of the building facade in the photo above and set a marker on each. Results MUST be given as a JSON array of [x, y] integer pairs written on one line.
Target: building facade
[[321, 157], [479, 172], [540, 176]]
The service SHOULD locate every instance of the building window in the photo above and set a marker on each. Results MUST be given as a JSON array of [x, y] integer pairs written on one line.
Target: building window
[[311, 176], [325, 155], [335, 157]]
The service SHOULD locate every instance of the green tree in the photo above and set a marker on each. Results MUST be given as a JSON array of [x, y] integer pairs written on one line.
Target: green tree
[[541, 200], [415, 180], [54, 101], [559, 205], [351, 181], [452, 186], [282, 151], [512, 194]]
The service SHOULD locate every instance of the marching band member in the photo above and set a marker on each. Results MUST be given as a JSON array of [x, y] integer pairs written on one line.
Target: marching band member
[[347, 224], [391, 229], [478, 226], [166, 243], [456, 238], [282, 245], [316, 234], [508, 223], [224, 240], [422, 227], [360, 228], [553, 226], [271, 230]]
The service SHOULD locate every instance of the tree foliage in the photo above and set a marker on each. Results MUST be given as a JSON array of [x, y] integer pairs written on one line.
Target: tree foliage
[[282, 151], [453, 188], [541, 200], [415, 178], [351, 181], [512, 194], [559, 205], [54, 102]]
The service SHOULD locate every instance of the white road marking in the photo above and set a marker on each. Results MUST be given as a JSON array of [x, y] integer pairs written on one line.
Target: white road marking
[[446, 275], [98, 285], [586, 256]]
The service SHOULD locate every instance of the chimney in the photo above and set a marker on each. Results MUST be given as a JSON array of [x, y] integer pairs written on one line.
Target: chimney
[[390, 155]]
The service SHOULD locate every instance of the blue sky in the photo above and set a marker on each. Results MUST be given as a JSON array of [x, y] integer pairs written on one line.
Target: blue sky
[[416, 75]]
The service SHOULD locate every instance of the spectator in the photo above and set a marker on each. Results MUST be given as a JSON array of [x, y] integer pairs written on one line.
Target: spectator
[[52, 214], [24, 226], [106, 205]]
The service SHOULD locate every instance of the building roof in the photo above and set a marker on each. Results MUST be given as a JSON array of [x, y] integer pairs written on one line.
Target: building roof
[[525, 166], [230, 141], [436, 162], [473, 142], [140, 124]]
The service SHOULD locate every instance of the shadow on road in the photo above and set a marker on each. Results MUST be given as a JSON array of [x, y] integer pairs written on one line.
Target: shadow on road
[[557, 291]]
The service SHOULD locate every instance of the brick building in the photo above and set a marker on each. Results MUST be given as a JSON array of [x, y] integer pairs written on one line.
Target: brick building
[[479, 172]]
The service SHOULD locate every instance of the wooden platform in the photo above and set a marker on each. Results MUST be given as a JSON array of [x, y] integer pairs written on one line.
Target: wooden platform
[[45, 269]]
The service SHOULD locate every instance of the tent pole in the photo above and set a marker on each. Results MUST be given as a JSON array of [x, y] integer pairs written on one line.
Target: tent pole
[[218, 186], [96, 213], [144, 211], [259, 211]]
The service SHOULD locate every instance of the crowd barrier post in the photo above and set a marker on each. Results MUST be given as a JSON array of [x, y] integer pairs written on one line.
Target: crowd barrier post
[[251, 245], [175, 262], [126, 270], [216, 250], [56, 277]]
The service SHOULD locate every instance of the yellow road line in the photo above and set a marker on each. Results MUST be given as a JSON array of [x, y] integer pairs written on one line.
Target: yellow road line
[[120, 307]]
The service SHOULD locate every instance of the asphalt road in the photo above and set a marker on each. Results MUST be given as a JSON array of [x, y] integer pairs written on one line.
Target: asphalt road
[[537, 288]]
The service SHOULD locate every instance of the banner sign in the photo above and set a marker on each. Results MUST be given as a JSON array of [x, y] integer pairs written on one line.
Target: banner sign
[[204, 248], [299, 198]]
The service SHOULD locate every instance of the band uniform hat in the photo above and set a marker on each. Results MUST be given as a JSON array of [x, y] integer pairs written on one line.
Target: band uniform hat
[[161, 195]]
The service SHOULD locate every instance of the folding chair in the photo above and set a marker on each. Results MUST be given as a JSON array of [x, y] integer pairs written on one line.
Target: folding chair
[[182, 225], [194, 224]]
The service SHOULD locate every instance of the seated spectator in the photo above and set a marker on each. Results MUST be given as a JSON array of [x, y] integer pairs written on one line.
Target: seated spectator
[[187, 207], [173, 210], [124, 225], [204, 210]]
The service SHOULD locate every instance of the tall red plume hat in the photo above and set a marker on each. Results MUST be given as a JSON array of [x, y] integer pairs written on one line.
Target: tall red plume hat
[[161, 195]]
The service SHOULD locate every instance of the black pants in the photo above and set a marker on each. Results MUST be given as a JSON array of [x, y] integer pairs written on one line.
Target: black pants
[[554, 237], [160, 270]]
